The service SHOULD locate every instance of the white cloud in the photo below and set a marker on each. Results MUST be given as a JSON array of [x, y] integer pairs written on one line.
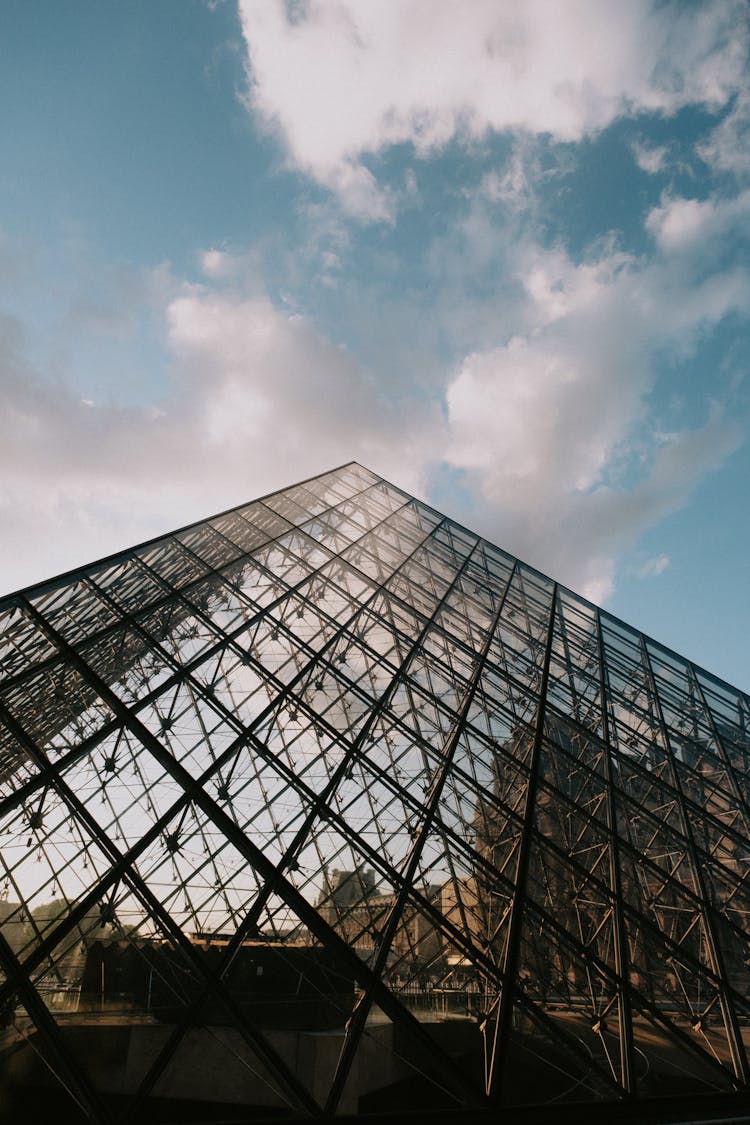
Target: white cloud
[[727, 149], [545, 413], [519, 180], [264, 382], [558, 399], [340, 80], [680, 224], [650, 158], [547, 421], [216, 263], [653, 567], [579, 536], [258, 400], [551, 426]]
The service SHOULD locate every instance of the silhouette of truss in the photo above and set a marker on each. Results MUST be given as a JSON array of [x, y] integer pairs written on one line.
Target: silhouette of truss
[[327, 805]]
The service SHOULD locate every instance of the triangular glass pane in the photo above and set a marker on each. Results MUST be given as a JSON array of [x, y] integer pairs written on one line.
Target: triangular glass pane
[[394, 1073], [667, 1063], [546, 1064], [39, 1081]]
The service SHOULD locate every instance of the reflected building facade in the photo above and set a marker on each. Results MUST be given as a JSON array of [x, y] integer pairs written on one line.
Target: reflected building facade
[[327, 805]]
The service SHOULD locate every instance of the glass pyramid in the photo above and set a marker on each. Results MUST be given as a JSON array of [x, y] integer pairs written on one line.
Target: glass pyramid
[[328, 806]]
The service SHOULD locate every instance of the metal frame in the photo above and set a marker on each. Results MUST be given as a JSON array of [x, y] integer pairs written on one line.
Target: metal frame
[[335, 720]]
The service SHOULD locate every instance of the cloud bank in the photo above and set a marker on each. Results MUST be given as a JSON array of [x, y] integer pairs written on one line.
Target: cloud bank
[[342, 82], [257, 398], [549, 428]]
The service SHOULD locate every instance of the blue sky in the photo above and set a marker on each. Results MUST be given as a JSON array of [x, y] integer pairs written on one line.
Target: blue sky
[[501, 259]]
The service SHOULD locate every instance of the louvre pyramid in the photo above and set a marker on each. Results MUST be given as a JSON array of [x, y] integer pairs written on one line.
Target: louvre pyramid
[[328, 806]]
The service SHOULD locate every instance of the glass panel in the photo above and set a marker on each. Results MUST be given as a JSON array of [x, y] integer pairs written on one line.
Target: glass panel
[[352, 830]]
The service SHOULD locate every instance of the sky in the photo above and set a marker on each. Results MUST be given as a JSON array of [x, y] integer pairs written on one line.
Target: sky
[[495, 252]]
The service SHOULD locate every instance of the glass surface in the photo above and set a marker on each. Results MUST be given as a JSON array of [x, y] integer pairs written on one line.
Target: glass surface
[[327, 805]]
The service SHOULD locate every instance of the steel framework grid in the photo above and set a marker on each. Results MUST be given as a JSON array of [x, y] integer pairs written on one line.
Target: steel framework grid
[[488, 843]]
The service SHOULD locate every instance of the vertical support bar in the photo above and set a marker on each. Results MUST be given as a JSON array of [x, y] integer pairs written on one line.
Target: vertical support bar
[[503, 1024], [624, 1014]]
